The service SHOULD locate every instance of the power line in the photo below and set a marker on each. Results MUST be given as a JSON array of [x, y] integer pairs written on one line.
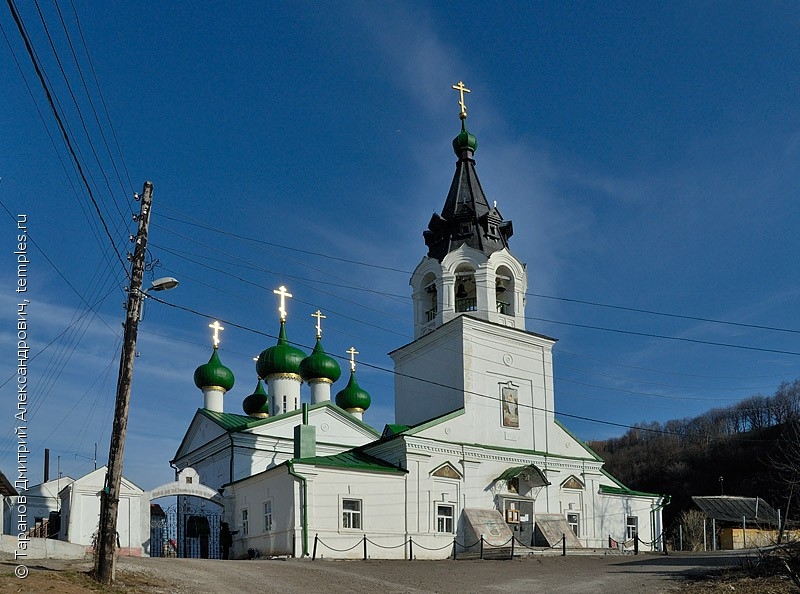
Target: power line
[[664, 337], [664, 314], [102, 98], [71, 149], [427, 381], [194, 222], [532, 318]]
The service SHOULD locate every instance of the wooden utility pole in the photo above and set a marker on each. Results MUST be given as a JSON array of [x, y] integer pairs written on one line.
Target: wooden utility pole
[[109, 497]]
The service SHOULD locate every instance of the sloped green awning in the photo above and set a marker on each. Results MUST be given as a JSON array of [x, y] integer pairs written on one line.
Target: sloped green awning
[[530, 473]]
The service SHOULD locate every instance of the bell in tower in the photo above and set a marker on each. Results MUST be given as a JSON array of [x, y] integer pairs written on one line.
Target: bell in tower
[[468, 269]]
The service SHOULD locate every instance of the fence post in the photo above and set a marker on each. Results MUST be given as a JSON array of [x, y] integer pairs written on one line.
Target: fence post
[[563, 545], [512, 546], [410, 549], [636, 545], [365, 547], [454, 549], [481, 546], [314, 554]]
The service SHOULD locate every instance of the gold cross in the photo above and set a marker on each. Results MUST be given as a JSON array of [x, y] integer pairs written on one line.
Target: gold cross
[[216, 327], [284, 294], [352, 352], [461, 90], [318, 314]]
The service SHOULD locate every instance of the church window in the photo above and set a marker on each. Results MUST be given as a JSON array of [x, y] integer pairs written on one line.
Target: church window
[[444, 518], [573, 520], [632, 528], [268, 515], [283, 410], [245, 523], [351, 513]]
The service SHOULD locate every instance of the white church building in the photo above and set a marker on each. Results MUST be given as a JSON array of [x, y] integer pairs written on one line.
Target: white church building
[[475, 453]]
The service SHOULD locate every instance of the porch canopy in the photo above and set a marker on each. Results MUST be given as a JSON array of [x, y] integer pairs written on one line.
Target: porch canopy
[[529, 473]]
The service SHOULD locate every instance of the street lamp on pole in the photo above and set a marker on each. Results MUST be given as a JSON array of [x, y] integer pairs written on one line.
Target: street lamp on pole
[[164, 283], [109, 496]]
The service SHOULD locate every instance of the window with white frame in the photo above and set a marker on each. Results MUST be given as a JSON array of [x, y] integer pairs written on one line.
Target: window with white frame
[[351, 513], [632, 529], [444, 518], [245, 523], [268, 515], [573, 520]]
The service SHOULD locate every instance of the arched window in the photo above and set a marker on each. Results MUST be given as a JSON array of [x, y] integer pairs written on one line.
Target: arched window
[[504, 291], [431, 297], [466, 299]]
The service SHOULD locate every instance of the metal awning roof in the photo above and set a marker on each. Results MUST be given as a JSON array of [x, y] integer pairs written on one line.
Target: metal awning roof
[[734, 509], [530, 473], [6, 488]]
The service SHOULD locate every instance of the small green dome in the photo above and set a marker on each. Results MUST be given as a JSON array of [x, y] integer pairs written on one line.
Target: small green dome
[[464, 140], [281, 358], [319, 365], [257, 404], [353, 398], [213, 373]]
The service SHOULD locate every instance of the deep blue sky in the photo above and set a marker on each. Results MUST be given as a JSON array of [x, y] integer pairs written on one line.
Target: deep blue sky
[[647, 154]]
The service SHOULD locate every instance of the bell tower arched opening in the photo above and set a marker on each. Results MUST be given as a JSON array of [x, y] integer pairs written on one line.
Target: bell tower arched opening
[[466, 296]]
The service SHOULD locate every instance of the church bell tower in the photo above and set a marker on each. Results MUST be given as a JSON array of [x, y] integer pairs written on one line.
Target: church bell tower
[[468, 269]]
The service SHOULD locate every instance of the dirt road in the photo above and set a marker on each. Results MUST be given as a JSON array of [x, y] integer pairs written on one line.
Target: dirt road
[[576, 574]]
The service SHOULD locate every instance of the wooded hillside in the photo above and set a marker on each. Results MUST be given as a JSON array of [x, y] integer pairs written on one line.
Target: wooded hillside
[[748, 449]]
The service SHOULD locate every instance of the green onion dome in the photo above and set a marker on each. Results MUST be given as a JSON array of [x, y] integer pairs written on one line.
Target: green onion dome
[[320, 366], [464, 140], [213, 374], [353, 397], [257, 404], [281, 358]]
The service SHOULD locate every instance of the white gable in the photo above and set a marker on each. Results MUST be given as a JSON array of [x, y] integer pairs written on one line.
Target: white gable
[[202, 430]]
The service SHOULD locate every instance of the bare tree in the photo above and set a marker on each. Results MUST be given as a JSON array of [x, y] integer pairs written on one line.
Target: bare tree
[[785, 466], [693, 522]]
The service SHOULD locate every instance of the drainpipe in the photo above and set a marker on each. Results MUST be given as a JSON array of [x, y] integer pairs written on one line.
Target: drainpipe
[[656, 511], [303, 505], [233, 455]]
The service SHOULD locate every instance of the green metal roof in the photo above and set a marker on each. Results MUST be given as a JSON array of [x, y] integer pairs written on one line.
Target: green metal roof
[[281, 358], [392, 429], [620, 489], [608, 490], [214, 373], [320, 365], [434, 421], [352, 460], [228, 421], [536, 476], [353, 397], [232, 422], [257, 404]]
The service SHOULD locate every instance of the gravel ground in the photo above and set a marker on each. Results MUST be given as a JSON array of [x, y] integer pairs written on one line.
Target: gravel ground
[[575, 574]]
